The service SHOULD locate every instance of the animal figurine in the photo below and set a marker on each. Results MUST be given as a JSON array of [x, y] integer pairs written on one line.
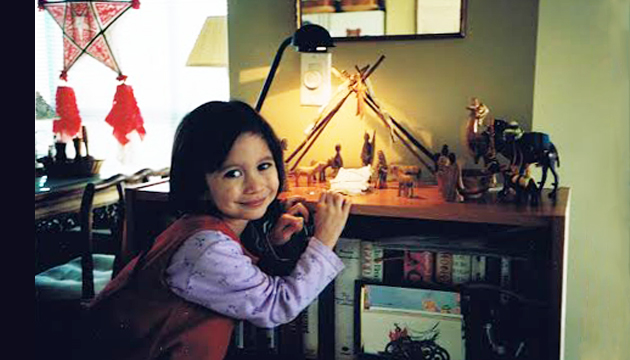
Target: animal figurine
[[408, 177], [521, 149], [524, 186], [381, 171], [311, 172]]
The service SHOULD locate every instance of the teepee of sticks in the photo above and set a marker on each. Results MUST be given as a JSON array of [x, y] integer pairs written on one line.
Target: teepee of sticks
[[357, 84]]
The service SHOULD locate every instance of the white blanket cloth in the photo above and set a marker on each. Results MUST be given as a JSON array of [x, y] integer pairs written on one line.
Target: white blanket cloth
[[352, 181]]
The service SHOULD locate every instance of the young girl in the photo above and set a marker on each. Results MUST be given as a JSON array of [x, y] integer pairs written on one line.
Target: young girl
[[180, 299]]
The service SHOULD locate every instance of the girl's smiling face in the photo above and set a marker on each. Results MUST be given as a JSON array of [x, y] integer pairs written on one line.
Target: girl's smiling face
[[246, 183]]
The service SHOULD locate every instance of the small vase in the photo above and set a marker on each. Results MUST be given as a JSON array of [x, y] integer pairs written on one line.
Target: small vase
[[60, 152]]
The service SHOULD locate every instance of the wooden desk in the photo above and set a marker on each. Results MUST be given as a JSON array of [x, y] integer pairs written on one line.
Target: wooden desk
[[427, 206], [54, 197]]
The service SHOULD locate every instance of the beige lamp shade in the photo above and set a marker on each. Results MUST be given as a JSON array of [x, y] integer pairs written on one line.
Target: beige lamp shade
[[211, 46]]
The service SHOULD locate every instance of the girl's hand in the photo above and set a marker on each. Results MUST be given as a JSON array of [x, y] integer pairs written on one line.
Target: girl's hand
[[289, 223], [331, 214]]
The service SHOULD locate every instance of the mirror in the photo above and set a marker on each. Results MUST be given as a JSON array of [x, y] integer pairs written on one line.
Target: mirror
[[351, 20]]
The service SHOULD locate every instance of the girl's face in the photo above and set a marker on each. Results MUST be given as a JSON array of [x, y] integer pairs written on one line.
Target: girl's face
[[246, 183]]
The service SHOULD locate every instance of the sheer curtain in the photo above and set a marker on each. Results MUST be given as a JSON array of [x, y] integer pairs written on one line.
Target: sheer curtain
[[151, 46]]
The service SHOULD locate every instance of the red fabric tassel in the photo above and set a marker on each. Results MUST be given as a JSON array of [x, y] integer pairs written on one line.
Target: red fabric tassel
[[69, 122], [135, 4], [125, 115]]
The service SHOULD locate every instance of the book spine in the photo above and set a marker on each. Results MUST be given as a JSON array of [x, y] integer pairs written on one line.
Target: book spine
[[444, 268], [349, 251], [239, 335], [418, 266], [461, 268], [506, 276], [393, 266], [478, 268], [289, 337], [493, 270], [310, 330], [371, 261]]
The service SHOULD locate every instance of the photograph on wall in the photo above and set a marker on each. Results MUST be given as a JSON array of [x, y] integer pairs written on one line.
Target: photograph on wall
[[409, 322]]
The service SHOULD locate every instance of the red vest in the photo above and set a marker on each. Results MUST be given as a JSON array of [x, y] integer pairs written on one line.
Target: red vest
[[144, 319]]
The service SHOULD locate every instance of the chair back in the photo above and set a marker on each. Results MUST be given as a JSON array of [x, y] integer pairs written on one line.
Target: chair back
[[86, 221], [145, 175]]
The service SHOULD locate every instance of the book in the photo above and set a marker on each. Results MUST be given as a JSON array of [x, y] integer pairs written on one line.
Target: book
[[371, 261], [391, 315], [478, 268], [444, 268], [393, 266], [310, 330], [461, 268], [493, 270], [239, 335], [349, 251], [418, 266], [506, 278], [288, 342]]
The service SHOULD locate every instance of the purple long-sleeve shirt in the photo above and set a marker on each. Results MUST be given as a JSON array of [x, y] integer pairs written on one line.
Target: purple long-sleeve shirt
[[211, 270]]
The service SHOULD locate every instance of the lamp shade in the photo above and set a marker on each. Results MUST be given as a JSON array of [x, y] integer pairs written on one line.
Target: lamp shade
[[211, 46], [312, 38]]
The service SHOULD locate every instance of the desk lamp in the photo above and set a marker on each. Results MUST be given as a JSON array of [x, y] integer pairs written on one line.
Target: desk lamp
[[309, 38]]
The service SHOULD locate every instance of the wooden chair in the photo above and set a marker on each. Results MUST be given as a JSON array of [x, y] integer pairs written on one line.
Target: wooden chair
[[61, 292], [146, 174], [61, 282]]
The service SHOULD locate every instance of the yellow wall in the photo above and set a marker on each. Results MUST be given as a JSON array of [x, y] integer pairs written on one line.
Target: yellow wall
[[424, 84], [582, 98], [580, 69]]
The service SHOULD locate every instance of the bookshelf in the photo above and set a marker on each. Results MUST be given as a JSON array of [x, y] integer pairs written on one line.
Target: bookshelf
[[382, 214]]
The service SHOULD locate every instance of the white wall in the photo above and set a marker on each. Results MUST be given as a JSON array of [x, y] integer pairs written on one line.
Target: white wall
[[582, 98]]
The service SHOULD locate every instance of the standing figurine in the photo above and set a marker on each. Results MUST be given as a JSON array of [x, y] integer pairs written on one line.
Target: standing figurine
[[449, 178], [367, 153], [381, 171], [337, 161]]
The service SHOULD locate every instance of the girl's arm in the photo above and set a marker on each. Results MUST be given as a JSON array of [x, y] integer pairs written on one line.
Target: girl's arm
[[211, 269]]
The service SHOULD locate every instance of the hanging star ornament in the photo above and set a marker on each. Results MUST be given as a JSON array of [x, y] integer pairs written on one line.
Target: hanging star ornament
[[84, 25]]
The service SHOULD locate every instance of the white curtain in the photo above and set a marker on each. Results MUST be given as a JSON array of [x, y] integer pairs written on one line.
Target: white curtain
[[151, 46]]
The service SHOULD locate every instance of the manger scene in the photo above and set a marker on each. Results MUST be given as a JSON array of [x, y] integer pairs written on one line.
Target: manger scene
[[501, 149]]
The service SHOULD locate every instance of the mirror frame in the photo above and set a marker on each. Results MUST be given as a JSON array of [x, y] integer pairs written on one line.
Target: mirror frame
[[456, 35]]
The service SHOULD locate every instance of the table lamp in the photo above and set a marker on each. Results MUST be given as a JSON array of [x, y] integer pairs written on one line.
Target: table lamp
[[309, 38], [211, 46]]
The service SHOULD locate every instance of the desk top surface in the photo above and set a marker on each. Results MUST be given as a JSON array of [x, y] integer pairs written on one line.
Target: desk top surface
[[46, 184], [427, 204]]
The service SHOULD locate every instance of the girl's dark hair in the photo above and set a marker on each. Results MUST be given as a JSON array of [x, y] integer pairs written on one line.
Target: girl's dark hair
[[202, 142]]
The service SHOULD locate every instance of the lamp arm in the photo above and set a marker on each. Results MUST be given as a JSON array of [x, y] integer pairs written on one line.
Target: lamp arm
[[272, 72]]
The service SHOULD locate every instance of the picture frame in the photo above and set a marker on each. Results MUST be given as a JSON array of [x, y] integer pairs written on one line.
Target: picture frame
[[394, 319]]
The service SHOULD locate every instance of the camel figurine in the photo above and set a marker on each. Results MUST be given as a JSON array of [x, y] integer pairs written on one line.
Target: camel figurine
[[311, 172]]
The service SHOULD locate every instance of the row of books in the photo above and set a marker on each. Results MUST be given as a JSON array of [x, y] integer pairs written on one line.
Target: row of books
[[396, 265], [389, 262]]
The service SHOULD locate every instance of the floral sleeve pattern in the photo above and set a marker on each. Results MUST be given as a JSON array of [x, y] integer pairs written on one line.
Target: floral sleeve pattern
[[211, 270]]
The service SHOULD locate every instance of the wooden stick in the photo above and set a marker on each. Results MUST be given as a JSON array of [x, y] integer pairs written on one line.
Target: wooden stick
[[371, 70], [405, 132], [403, 140], [318, 124], [321, 129]]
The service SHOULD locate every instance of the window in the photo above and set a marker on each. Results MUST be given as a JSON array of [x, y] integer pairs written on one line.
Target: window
[[151, 46]]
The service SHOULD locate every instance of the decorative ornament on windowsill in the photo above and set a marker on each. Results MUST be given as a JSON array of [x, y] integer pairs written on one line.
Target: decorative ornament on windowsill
[[85, 27]]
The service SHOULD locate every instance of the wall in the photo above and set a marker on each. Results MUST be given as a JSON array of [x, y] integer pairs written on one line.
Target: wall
[[425, 84], [582, 98]]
